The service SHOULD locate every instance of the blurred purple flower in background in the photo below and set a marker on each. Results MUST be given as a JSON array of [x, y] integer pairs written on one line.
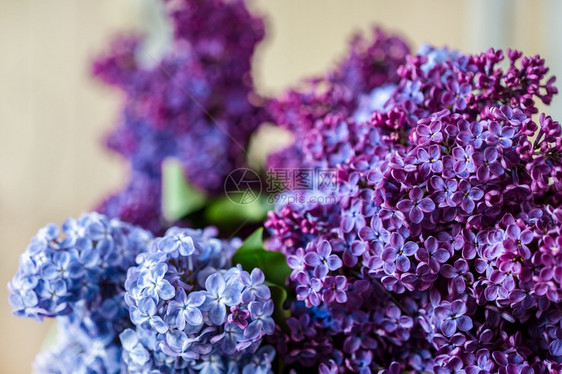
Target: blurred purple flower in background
[[197, 105]]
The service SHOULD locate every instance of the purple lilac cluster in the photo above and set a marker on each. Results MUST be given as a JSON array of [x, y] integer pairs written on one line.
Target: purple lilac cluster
[[368, 66], [442, 253], [193, 311], [79, 278], [198, 104]]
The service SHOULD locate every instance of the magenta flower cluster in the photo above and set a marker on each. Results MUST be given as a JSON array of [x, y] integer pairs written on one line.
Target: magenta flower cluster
[[443, 252], [197, 105]]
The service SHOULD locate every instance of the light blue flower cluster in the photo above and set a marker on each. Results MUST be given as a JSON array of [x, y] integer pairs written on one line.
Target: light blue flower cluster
[[78, 276], [375, 101], [437, 56], [77, 351], [59, 274], [193, 311]]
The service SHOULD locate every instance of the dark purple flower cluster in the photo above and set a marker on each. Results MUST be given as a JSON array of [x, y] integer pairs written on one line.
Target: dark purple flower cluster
[[79, 278], [367, 66], [442, 253], [193, 311], [197, 105]]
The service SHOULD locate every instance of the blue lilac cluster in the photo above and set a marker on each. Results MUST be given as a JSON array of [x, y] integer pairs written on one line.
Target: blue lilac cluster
[[369, 66], [193, 311], [442, 253], [77, 350], [77, 274], [197, 105], [126, 301]]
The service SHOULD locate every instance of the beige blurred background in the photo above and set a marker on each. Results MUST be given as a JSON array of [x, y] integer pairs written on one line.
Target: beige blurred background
[[53, 115]]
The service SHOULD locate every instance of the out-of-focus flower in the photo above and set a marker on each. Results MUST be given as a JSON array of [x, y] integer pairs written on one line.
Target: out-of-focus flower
[[197, 105]]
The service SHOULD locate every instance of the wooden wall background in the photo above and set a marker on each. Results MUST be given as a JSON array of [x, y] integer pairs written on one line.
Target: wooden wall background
[[53, 115]]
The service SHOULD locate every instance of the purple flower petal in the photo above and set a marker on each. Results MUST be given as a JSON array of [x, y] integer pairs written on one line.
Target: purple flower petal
[[448, 327]]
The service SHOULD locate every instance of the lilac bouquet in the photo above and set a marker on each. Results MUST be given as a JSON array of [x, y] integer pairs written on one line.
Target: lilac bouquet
[[434, 247]]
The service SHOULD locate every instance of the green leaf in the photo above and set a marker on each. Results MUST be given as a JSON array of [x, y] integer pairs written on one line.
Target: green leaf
[[227, 212], [253, 255], [179, 198], [254, 242]]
